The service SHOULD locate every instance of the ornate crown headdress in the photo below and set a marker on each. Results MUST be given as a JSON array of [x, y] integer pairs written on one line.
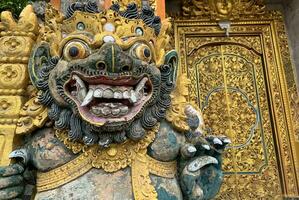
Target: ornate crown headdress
[[113, 25]]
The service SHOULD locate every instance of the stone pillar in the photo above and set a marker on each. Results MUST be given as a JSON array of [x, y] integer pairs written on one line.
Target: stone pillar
[[16, 40]]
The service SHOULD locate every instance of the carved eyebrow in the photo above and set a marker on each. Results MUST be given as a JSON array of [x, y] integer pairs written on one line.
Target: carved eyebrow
[[78, 35], [129, 36]]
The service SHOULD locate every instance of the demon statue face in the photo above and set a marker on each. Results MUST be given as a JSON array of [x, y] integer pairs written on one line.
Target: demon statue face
[[104, 104], [105, 75]]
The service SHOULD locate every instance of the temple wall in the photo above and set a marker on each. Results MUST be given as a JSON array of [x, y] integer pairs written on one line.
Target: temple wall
[[291, 13], [290, 10]]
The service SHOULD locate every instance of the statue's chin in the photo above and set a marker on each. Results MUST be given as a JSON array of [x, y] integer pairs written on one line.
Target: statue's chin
[[105, 100]]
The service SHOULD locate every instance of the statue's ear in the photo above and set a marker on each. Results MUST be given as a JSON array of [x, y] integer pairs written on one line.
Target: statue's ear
[[39, 59], [171, 59]]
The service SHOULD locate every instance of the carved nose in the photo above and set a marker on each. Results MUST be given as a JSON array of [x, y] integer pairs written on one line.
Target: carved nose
[[115, 60]]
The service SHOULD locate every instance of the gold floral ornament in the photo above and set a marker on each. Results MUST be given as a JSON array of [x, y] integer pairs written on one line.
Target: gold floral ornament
[[223, 10], [4, 105], [8, 73]]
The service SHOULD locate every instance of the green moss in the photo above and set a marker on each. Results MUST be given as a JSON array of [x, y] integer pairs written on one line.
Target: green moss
[[14, 6]]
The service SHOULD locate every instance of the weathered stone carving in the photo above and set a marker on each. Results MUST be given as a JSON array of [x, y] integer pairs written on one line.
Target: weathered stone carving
[[104, 120]]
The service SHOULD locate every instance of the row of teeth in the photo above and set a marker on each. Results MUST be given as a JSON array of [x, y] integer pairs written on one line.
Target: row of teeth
[[107, 92], [110, 109]]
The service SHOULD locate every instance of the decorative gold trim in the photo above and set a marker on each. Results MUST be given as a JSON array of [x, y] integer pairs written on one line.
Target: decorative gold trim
[[223, 10], [176, 113], [124, 3], [162, 169], [114, 158], [141, 182], [64, 174], [83, 163]]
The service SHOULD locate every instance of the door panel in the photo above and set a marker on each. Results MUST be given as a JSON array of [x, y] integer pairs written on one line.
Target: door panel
[[236, 82]]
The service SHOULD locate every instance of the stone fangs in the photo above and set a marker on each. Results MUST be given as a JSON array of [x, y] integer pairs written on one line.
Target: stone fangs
[[102, 91], [111, 92]]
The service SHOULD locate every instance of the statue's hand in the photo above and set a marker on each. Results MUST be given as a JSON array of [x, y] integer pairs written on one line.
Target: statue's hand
[[200, 167], [11, 181], [200, 162]]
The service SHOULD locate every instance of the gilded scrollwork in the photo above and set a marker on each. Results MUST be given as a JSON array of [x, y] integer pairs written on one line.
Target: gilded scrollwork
[[290, 89], [219, 10], [113, 158], [294, 101], [236, 100]]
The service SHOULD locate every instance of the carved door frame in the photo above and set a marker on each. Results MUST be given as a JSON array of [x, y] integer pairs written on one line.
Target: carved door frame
[[281, 89]]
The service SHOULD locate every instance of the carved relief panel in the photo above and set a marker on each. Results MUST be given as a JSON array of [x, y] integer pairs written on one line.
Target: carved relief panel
[[239, 83]]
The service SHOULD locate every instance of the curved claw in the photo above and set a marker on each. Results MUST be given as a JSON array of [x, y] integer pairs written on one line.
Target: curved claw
[[205, 146], [201, 178], [200, 162], [20, 153], [188, 151], [217, 141]]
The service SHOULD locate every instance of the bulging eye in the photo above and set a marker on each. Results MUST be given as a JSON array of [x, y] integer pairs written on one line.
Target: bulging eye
[[142, 52], [75, 50]]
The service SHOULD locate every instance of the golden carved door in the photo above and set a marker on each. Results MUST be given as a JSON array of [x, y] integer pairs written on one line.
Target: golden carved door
[[239, 83]]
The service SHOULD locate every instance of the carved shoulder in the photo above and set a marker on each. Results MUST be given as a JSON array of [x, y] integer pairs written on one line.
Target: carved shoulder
[[167, 144], [46, 151]]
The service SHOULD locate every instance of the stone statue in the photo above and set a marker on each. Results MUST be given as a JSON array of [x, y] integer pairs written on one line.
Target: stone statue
[[106, 115]]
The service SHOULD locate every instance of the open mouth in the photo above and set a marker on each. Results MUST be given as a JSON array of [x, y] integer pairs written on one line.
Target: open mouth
[[102, 99]]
